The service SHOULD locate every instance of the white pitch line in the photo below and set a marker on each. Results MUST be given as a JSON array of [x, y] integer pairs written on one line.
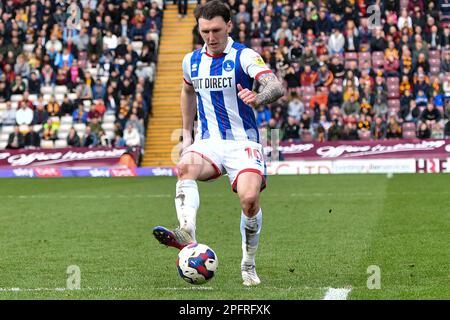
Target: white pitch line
[[337, 294], [62, 289]]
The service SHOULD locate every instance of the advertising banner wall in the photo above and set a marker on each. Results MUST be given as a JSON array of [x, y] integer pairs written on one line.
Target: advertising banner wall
[[64, 157], [384, 149]]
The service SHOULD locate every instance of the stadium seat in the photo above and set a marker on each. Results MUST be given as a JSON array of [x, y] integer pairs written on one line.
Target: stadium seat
[[434, 54], [66, 120], [4, 136], [393, 92], [351, 56], [80, 128], [409, 135], [364, 56], [60, 89], [394, 104], [47, 144], [16, 97], [28, 47], [33, 97], [108, 126], [7, 129], [255, 42], [61, 143], [62, 134], [309, 90], [59, 97], [47, 90], [65, 127], [435, 70], [364, 135], [109, 118], [72, 96], [409, 126], [87, 104], [392, 81], [306, 136]]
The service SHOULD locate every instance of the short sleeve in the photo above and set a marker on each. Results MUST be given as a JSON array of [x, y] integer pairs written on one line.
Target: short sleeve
[[186, 69], [253, 64]]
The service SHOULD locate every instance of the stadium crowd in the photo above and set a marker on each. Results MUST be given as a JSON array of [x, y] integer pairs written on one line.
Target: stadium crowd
[[353, 69], [77, 73], [80, 73]]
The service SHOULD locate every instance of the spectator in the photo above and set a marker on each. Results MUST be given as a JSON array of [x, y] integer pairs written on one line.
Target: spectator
[[308, 77], [40, 115], [119, 141], [53, 107], [325, 76], [8, 116], [292, 78], [394, 130], [73, 139], [90, 139], [447, 130], [34, 83], [32, 139], [378, 129], [335, 98], [79, 115], [378, 42], [103, 139], [334, 131], [18, 86], [67, 106], [424, 131], [291, 131], [350, 131], [95, 126], [336, 42], [431, 115], [295, 106], [24, 115], [16, 139], [50, 130], [22, 67], [380, 108], [131, 136], [263, 116], [351, 107]]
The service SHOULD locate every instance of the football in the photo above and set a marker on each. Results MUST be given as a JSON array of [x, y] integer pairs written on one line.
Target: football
[[197, 263]]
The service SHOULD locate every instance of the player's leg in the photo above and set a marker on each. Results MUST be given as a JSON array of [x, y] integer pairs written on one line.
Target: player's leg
[[192, 166], [248, 188]]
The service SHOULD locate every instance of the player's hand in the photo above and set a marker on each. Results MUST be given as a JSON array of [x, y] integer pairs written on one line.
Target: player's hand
[[249, 97]]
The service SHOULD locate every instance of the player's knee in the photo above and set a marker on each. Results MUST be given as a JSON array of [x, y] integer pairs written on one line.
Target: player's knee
[[187, 171], [182, 170], [250, 203]]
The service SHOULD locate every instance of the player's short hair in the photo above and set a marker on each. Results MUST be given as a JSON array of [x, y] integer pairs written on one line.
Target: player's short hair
[[212, 9]]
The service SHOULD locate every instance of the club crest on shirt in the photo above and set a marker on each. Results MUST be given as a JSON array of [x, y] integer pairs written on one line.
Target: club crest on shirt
[[228, 65], [259, 61]]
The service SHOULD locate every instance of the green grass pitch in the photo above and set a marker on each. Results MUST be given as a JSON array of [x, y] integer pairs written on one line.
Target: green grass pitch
[[319, 232]]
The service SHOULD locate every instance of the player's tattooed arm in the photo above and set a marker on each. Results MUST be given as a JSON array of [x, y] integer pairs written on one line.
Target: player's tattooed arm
[[270, 90]]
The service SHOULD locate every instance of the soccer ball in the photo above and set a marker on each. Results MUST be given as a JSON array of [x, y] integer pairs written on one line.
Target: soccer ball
[[197, 263]]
